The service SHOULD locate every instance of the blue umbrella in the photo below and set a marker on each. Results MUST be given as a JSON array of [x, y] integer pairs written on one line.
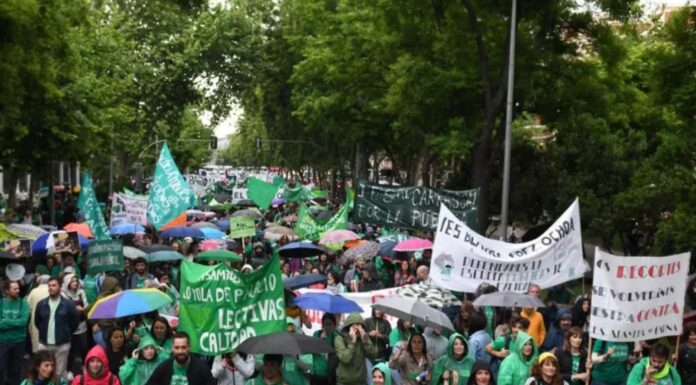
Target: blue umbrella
[[211, 233], [303, 281], [39, 249], [386, 249], [300, 250], [126, 228], [182, 232], [327, 303], [223, 225]]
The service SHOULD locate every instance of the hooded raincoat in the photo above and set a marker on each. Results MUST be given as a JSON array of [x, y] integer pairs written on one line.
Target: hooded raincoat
[[351, 355], [449, 362], [386, 372], [136, 371], [514, 370], [104, 377]]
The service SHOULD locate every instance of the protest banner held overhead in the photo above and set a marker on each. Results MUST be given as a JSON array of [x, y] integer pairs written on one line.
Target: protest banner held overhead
[[220, 307], [637, 298], [88, 205], [170, 195], [242, 227], [19, 248], [104, 255], [412, 207], [463, 259], [128, 208]]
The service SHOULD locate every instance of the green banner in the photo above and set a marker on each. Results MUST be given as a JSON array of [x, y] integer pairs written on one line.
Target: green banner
[[170, 195], [87, 203], [308, 227], [220, 307], [242, 227], [260, 192], [297, 194], [105, 255], [412, 207]]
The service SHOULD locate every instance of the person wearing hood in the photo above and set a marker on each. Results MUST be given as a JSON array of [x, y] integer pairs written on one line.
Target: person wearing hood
[[146, 358], [655, 369], [381, 374], [72, 291], [437, 343], [352, 348], [556, 337], [456, 360], [514, 370], [413, 361], [96, 370], [481, 374]]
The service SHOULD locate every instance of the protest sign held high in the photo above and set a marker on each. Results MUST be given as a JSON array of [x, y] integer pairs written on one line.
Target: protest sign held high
[[170, 195], [412, 207], [104, 255], [128, 208], [463, 259], [242, 227], [637, 298], [220, 307]]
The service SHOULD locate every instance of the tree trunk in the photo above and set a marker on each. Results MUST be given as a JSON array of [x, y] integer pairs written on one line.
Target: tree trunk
[[426, 158]]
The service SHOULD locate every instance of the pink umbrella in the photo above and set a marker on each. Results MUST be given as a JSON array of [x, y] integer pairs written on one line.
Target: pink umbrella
[[338, 236], [413, 244], [209, 245]]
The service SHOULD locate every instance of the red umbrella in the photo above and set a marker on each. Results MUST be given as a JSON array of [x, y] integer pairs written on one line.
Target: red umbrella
[[80, 228]]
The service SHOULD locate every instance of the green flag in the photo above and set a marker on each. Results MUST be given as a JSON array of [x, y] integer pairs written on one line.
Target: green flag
[[308, 227], [278, 181], [297, 194], [220, 307], [260, 192], [170, 195], [87, 203]]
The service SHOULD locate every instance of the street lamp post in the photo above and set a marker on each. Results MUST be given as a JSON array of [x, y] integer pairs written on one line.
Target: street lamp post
[[508, 126]]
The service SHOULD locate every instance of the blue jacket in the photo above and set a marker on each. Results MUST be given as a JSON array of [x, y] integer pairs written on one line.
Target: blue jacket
[[66, 320], [556, 337]]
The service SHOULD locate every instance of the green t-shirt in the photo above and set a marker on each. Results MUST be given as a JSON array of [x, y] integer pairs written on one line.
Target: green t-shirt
[[51, 332], [489, 311], [139, 282], [613, 370], [179, 375], [575, 368], [498, 344]]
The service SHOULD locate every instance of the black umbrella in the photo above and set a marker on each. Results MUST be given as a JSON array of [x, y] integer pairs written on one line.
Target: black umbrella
[[223, 197], [287, 344], [149, 249], [324, 215], [246, 203], [300, 250], [231, 245], [303, 281]]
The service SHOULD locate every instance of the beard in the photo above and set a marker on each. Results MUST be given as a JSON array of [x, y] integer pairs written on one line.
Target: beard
[[181, 359]]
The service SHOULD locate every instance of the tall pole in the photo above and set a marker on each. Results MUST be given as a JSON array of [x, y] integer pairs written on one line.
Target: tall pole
[[111, 168], [508, 125]]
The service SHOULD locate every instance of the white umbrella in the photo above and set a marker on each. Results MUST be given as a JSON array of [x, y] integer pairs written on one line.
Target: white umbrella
[[508, 299], [133, 253], [413, 310]]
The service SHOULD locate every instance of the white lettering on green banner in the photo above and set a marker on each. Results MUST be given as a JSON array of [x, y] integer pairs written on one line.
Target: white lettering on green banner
[[170, 195], [104, 255], [88, 205], [220, 307]]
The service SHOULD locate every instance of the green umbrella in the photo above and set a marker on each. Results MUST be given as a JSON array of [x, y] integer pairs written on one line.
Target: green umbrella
[[219, 255], [164, 255]]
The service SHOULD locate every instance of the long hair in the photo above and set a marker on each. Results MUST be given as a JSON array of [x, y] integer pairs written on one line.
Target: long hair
[[536, 370], [573, 331], [410, 349], [40, 357]]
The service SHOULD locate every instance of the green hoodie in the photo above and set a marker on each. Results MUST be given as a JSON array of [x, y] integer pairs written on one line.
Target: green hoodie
[[448, 362], [667, 376], [351, 355], [14, 318], [136, 371], [514, 370], [386, 372]]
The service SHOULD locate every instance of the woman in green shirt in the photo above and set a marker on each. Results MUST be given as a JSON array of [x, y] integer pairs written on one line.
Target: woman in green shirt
[[572, 358]]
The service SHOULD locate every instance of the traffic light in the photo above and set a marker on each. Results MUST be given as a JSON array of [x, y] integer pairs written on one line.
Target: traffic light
[[213, 142]]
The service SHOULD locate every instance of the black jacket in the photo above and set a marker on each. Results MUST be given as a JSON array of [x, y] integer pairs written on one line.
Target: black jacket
[[686, 365], [565, 363], [198, 373]]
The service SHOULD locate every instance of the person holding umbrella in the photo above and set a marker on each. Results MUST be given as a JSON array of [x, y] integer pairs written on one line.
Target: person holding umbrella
[[351, 349]]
